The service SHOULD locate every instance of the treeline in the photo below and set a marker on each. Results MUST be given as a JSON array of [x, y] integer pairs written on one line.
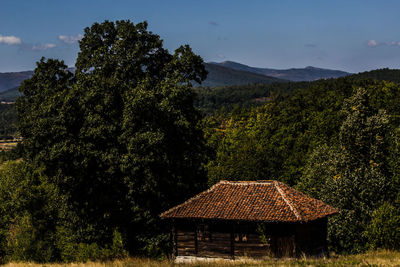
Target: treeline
[[385, 74], [293, 124], [210, 100]]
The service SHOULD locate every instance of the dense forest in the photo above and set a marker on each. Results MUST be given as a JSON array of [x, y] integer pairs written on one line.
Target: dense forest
[[336, 140], [110, 146]]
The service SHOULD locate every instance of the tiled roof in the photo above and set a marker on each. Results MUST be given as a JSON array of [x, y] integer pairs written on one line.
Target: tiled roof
[[269, 201]]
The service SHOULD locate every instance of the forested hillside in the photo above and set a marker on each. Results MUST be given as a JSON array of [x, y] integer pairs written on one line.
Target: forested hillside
[[223, 76], [386, 74], [334, 139], [212, 99]]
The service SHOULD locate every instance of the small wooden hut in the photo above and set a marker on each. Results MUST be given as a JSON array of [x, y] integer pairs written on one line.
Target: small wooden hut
[[253, 219]]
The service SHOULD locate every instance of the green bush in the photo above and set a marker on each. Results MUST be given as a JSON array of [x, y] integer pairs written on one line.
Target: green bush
[[29, 208], [70, 250], [384, 228], [26, 243]]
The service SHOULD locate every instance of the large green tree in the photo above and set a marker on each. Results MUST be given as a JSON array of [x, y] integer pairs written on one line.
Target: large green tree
[[354, 175], [119, 137]]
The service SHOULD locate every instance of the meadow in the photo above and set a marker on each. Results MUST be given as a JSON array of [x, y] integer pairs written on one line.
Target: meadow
[[8, 144], [372, 258]]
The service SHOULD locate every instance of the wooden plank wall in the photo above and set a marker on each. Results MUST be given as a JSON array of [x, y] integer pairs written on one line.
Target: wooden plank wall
[[219, 243], [185, 243], [253, 247], [218, 246], [284, 240]]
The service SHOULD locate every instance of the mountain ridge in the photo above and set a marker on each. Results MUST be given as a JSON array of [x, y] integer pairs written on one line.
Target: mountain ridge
[[309, 73], [224, 76], [218, 76], [227, 73]]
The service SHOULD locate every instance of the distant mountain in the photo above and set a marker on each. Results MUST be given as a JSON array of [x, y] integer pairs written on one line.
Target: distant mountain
[[226, 73], [224, 76], [294, 74], [217, 76], [9, 80]]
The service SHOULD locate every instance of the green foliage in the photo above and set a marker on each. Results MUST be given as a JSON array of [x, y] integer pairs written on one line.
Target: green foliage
[[27, 241], [385, 74], [354, 175], [384, 229], [119, 138], [300, 120], [29, 207], [332, 145], [240, 147], [73, 251], [211, 99], [278, 135]]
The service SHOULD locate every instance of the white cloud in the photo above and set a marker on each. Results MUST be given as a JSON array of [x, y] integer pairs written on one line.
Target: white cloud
[[10, 40], [70, 39], [372, 43], [42, 47], [395, 43]]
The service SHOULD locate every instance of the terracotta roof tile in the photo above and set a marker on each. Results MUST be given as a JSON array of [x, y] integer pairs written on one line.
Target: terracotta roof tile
[[270, 201]]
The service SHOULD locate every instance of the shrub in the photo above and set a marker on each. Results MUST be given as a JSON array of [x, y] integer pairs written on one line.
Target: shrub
[[71, 250], [29, 208], [384, 228]]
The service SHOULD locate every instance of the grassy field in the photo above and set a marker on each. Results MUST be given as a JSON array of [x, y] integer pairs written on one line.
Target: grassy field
[[374, 258], [8, 144]]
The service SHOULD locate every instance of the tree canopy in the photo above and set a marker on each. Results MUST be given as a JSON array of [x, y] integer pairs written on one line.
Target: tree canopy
[[120, 137]]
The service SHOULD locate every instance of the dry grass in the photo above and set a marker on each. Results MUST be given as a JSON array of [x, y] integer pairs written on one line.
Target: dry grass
[[374, 258], [8, 144]]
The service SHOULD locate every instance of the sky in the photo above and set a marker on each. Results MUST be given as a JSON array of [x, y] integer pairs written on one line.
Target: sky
[[349, 35]]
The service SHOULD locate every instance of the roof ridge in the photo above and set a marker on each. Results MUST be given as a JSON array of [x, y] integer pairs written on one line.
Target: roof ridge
[[193, 198], [298, 216], [261, 182]]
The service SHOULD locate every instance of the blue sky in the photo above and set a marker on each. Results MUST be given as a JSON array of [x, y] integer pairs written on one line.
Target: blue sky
[[351, 35]]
